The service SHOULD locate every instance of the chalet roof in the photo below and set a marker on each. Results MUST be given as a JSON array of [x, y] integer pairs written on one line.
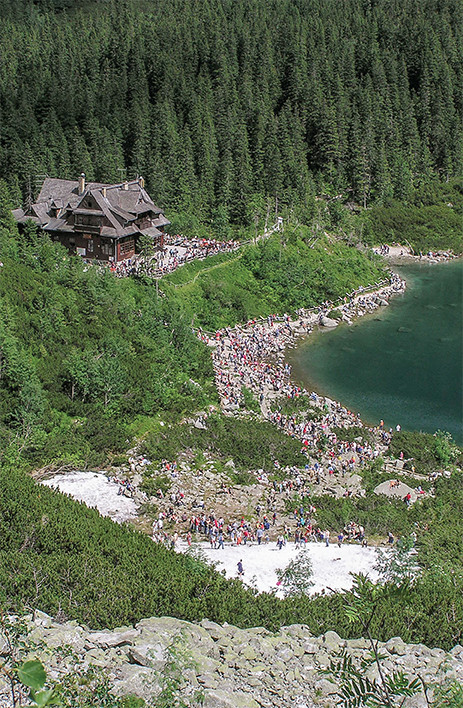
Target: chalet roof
[[105, 208], [55, 224], [40, 211], [151, 231], [121, 204], [124, 214], [109, 232], [130, 197], [64, 189], [21, 216], [161, 221], [18, 213], [91, 212]]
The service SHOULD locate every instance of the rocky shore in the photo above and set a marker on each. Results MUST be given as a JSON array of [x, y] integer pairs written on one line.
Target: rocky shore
[[398, 254], [220, 666], [252, 354]]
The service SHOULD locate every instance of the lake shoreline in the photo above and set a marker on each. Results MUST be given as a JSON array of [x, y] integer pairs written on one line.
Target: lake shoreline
[[317, 375]]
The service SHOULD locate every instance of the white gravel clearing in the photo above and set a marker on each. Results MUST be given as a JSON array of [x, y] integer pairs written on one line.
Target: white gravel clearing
[[331, 566], [95, 490]]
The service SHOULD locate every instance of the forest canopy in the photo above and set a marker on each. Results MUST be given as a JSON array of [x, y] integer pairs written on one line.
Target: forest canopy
[[220, 104]]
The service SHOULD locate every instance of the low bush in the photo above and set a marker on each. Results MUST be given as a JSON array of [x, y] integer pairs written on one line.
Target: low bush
[[252, 444], [430, 222]]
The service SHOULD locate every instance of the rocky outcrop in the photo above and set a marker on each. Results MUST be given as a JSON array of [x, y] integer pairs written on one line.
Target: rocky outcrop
[[328, 322], [223, 666]]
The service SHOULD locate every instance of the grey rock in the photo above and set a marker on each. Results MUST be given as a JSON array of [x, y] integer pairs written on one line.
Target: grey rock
[[41, 619], [332, 640], [311, 647], [117, 638], [328, 322], [4, 648], [215, 630], [223, 699], [153, 655], [231, 666], [208, 680], [325, 687], [396, 646], [358, 643], [59, 638], [138, 681]]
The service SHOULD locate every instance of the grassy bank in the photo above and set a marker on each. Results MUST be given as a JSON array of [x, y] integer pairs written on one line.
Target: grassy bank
[[281, 274]]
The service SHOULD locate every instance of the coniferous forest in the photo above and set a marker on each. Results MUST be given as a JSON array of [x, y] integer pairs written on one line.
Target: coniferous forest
[[220, 104]]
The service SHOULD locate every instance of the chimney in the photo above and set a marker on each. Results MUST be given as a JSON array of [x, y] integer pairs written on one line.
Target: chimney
[[141, 182], [126, 185], [82, 183], [103, 191]]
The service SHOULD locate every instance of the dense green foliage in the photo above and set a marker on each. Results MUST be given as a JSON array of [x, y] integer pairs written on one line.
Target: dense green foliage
[[432, 221], [252, 444], [273, 276], [427, 453], [83, 353], [221, 104]]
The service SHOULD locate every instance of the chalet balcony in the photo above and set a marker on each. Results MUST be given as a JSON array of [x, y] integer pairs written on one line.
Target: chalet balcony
[[88, 228]]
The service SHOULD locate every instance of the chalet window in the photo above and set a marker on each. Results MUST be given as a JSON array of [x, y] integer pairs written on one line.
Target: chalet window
[[107, 248], [90, 245], [126, 247]]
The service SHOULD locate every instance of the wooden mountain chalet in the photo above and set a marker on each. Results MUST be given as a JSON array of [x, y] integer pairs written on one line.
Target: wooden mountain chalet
[[98, 221]]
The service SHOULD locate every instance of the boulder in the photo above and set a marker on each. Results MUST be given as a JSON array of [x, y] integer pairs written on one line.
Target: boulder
[[116, 638], [328, 322], [396, 645], [332, 640], [224, 699], [41, 619], [137, 681], [152, 655]]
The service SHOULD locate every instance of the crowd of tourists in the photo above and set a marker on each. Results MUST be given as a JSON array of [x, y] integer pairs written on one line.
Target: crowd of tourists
[[252, 355], [216, 531], [177, 251]]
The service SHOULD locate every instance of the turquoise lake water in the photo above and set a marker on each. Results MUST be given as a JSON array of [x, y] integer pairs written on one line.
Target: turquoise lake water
[[404, 363]]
